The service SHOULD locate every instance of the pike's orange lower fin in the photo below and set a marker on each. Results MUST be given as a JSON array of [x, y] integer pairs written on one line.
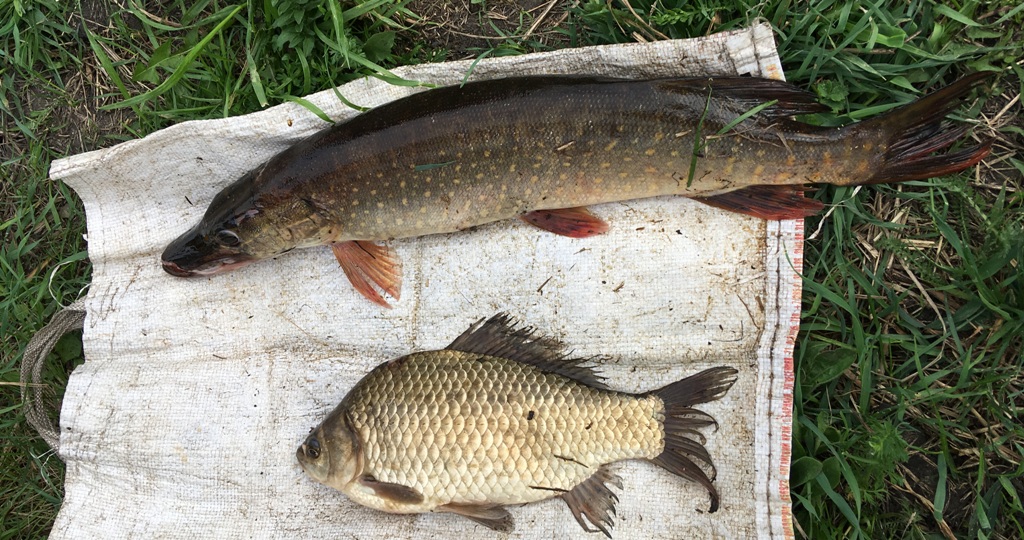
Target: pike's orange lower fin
[[571, 222], [923, 166], [766, 202], [367, 264]]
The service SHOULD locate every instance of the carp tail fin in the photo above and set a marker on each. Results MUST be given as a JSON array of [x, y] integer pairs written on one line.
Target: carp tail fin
[[684, 454]]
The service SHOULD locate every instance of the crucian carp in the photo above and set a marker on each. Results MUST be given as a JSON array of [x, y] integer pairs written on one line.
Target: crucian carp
[[501, 417], [543, 148]]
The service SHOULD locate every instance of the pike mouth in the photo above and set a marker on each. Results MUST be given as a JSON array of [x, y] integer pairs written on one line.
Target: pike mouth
[[208, 269]]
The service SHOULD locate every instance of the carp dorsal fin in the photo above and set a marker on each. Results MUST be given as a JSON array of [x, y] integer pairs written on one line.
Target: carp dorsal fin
[[498, 336], [393, 492], [595, 500], [493, 517], [753, 91], [572, 222], [766, 202]]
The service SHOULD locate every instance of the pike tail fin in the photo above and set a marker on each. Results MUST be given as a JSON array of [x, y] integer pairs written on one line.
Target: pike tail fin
[[917, 129], [684, 454]]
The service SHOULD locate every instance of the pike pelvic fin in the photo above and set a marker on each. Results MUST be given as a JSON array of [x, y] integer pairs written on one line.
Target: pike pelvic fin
[[592, 498], [684, 454], [917, 129], [571, 222], [766, 202], [367, 264], [492, 517]]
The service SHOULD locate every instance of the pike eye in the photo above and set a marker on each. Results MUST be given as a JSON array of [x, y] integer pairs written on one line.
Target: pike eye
[[227, 238], [312, 448]]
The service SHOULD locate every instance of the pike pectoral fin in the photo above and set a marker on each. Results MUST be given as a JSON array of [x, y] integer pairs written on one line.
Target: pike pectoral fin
[[392, 492], [492, 517], [571, 222], [367, 264], [766, 202], [594, 499]]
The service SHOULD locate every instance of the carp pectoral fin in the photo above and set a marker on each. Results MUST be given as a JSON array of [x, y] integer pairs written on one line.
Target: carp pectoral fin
[[571, 222], [393, 492], [367, 264], [492, 517], [766, 202], [595, 500]]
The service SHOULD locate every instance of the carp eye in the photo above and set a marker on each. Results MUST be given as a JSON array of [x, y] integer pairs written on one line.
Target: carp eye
[[312, 448], [228, 238]]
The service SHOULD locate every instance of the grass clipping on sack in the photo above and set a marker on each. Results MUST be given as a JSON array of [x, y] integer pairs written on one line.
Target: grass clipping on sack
[[908, 410]]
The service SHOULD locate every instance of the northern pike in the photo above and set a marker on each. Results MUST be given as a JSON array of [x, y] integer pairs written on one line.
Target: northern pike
[[502, 417], [543, 148]]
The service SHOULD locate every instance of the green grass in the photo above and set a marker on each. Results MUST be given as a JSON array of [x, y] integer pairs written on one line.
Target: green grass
[[908, 417]]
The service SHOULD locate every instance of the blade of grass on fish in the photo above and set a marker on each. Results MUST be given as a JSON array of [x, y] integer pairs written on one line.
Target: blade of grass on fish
[[698, 143], [429, 166], [739, 119], [185, 64]]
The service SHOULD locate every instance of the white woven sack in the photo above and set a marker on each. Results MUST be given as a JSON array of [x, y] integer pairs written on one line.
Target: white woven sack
[[184, 419]]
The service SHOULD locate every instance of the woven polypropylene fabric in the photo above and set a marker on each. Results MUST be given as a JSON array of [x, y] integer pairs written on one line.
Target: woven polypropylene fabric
[[185, 417]]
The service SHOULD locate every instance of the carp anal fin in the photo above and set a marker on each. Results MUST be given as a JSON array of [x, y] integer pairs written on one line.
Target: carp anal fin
[[393, 492], [766, 202], [493, 517], [684, 444], [499, 337], [571, 222], [367, 264], [592, 498]]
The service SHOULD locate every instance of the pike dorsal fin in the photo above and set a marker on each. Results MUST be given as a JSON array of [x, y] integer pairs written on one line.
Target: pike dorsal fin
[[753, 91], [498, 336]]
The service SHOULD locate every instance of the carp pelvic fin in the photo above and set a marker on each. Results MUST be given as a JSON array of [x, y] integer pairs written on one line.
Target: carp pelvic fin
[[499, 337], [766, 202], [684, 445], [592, 498], [492, 517], [367, 264], [392, 492], [571, 222]]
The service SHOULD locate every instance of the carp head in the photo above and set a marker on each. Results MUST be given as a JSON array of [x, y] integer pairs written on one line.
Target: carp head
[[332, 454]]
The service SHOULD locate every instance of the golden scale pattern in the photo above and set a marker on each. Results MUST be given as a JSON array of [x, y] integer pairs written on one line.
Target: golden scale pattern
[[461, 427]]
